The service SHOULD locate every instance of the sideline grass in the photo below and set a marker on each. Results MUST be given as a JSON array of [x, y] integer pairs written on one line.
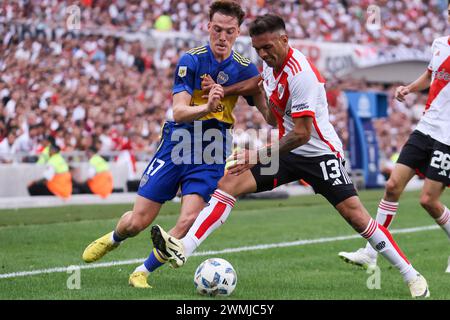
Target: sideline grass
[[53, 237]]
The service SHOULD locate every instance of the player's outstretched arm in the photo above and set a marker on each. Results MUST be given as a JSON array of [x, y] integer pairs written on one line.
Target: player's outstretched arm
[[299, 136], [421, 83], [260, 100], [247, 87], [184, 112]]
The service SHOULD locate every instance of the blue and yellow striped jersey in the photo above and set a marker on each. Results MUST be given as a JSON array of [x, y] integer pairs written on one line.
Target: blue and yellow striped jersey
[[200, 61]]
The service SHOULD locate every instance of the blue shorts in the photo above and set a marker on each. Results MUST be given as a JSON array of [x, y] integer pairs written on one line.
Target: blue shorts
[[165, 174]]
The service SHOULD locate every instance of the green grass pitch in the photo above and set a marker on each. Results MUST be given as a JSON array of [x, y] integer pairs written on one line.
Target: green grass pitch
[[37, 239]]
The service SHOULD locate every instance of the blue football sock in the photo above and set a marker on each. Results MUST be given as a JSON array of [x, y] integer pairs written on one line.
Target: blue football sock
[[116, 237], [154, 260]]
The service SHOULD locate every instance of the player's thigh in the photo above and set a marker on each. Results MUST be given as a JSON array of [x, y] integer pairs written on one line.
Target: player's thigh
[[327, 176], [161, 178], [415, 154], [201, 180], [267, 178], [400, 176], [238, 185]]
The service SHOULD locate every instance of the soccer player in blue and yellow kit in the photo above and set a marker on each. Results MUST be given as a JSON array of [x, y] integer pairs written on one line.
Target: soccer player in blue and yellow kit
[[193, 115]]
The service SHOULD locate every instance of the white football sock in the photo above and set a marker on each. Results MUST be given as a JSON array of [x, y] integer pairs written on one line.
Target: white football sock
[[385, 214], [208, 220], [142, 268], [381, 240], [444, 221]]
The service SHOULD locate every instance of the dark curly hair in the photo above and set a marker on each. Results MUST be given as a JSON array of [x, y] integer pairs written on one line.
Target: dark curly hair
[[228, 8]]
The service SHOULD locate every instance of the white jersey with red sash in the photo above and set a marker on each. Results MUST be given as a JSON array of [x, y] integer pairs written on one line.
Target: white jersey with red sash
[[298, 90], [436, 119]]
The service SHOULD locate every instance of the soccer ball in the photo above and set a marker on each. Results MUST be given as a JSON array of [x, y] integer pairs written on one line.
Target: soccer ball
[[215, 277]]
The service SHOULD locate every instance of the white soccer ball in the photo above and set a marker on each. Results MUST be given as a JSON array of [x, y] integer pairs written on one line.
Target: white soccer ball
[[215, 277]]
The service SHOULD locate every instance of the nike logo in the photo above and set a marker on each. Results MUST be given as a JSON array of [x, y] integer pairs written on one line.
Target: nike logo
[[178, 255]]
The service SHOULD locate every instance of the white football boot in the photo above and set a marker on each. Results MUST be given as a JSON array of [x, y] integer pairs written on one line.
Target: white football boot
[[448, 266], [170, 246], [360, 258], [419, 287]]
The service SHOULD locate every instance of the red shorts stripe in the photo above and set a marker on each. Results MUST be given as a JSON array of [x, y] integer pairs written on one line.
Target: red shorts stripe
[[215, 215]]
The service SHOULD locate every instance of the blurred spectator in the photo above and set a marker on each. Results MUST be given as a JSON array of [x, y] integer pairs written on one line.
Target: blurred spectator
[[98, 87], [7, 147], [405, 23]]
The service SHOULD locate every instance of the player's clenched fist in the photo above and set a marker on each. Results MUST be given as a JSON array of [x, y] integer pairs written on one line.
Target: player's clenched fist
[[401, 92], [215, 94], [207, 83]]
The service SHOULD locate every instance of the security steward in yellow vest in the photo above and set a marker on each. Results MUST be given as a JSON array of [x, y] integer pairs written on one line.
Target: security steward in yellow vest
[[57, 178], [100, 180]]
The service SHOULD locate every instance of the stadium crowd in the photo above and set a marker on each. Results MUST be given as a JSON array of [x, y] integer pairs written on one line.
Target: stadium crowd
[[407, 23], [102, 89]]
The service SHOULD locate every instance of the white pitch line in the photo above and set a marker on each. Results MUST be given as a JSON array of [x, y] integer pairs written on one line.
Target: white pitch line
[[209, 253]]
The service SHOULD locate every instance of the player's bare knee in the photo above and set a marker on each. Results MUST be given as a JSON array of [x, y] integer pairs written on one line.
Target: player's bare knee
[[393, 189], [228, 184], [428, 202]]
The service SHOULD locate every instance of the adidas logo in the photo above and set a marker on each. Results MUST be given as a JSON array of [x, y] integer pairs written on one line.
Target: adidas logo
[[337, 182], [443, 173]]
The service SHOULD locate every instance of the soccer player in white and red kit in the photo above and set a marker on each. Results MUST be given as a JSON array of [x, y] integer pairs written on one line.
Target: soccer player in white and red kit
[[308, 149], [427, 152]]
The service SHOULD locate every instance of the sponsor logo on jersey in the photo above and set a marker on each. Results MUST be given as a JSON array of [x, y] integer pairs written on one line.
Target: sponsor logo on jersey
[[441, 75], [300, 107], [182, 71]]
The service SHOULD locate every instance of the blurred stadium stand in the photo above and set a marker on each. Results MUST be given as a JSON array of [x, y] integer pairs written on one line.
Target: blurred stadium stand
[[109, 83]]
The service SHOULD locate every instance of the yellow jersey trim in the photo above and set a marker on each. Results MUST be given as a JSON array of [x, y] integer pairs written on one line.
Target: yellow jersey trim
[[198, 50], [243, 61]]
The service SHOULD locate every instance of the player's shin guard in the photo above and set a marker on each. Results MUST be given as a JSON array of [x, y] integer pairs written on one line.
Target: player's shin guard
[[444, 221], [208, 220], [381, 240], [385, 214]]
